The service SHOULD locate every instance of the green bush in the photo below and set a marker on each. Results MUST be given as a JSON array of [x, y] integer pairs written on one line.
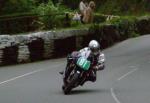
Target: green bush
[[73, 4], [123, 7], [118, 29], [106, 33], [17, 24], [126, 26], [17, 6], [143, 25], [53, 16], [99, 18]]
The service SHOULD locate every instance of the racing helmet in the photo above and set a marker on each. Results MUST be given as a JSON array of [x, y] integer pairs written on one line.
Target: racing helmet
[[94, 46]]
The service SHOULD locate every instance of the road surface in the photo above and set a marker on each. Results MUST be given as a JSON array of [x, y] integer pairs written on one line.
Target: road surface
[[126, 78]]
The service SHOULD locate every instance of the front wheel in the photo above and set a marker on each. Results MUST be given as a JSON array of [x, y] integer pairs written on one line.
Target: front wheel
[[72, 81]]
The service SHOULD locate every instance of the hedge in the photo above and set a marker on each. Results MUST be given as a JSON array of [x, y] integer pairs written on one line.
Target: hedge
[[119, 29]]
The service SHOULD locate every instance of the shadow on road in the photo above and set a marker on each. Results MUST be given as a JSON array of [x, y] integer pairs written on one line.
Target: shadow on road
[[85, 91]]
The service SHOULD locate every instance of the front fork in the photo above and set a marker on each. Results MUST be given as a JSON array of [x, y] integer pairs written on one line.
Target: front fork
[[72, 73]]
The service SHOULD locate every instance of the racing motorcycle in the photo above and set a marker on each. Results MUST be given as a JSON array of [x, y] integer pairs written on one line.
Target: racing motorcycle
[[79, 73]]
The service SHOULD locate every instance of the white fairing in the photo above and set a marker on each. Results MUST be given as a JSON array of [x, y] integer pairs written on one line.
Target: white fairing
[[85, 52]]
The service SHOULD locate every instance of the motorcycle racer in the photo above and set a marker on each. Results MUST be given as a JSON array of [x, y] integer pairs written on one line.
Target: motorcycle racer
[[92, 53]]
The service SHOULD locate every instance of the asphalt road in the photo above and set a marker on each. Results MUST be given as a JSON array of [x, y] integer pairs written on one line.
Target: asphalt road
[[126, 78]]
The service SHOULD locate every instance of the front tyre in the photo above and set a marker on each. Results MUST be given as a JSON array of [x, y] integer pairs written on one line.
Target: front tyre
[[72, 81]]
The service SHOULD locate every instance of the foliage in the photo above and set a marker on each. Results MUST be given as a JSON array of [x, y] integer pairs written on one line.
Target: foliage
[[16, 24], [119, 29], [143, 25], [124, 7], [54, 15], [16, 6], [99, 18], [73, 4], [126, 26]]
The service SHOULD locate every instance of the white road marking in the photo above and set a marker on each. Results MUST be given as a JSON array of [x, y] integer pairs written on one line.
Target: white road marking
[[114, 96], [27, 74], [127, 74], [112, 90], [20, 76]]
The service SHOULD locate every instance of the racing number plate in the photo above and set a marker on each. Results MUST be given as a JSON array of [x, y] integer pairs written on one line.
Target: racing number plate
[[83, 63]]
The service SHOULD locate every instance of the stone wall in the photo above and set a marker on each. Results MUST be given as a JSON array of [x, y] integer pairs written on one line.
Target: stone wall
[[38, 46]]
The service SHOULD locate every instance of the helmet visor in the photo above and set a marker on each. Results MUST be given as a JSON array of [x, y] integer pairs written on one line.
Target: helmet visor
[[95, 51]]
